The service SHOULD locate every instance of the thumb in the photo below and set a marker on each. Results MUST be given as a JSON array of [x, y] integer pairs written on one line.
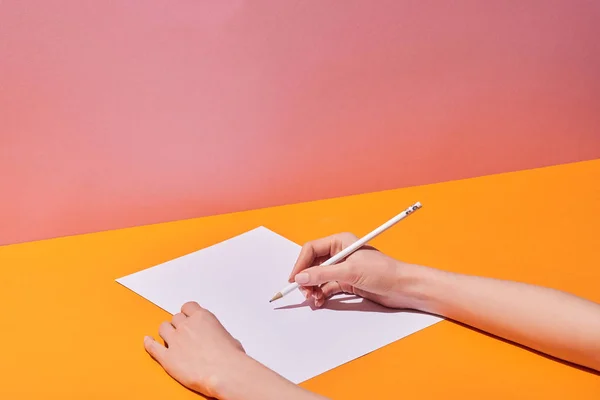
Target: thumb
[[342, 272]]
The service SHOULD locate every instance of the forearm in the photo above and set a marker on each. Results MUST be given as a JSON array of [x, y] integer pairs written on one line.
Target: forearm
[[547, 320], [253, 381]]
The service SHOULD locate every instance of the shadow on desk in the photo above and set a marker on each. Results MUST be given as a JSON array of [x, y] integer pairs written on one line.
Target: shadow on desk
[[570, 364], [356, 303]]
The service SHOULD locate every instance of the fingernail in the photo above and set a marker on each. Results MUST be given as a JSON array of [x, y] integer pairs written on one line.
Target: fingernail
[[147, 339], [302, 278]]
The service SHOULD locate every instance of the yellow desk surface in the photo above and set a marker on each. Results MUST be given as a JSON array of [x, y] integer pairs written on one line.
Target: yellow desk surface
[[70, 331]]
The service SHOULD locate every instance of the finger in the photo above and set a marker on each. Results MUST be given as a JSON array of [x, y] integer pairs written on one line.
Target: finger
[[190, 308], [307, 292], [325, 292], [310, 251], [319, 302], [166, 331], [178, 320], [317, 292], [331, 289], [155, 349], [315, 295], [342, 272]]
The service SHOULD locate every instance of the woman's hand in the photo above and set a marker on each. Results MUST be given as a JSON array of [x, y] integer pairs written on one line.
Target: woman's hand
[[204, 357], [200, 353], [367, 273]]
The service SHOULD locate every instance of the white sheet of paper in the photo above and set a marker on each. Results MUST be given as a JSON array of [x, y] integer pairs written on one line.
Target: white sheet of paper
[[235, 280]]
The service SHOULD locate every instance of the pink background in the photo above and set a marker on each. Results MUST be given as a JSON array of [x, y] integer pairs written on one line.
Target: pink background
[[115, 114]]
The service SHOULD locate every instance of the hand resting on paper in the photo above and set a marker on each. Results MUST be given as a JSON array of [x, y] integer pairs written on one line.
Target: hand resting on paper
[[201, 355], [547, 320]]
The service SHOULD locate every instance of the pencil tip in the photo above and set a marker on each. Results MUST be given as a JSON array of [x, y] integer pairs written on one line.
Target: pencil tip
[[277, 296]]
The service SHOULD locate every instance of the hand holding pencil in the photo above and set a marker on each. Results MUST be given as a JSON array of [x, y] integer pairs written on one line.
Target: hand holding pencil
[[338, 264]]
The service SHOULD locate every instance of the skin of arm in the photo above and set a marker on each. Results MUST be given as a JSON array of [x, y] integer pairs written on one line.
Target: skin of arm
[[253, 381], [547, 320]]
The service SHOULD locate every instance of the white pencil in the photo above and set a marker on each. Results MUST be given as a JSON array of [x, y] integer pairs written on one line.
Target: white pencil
[[354, 246]]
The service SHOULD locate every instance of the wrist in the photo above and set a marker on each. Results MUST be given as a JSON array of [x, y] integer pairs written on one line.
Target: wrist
[[247, 379], [419, 285], [235, 375], [225, 381]]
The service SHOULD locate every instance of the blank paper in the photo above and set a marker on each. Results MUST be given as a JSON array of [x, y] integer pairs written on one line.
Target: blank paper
[[235, 280]]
